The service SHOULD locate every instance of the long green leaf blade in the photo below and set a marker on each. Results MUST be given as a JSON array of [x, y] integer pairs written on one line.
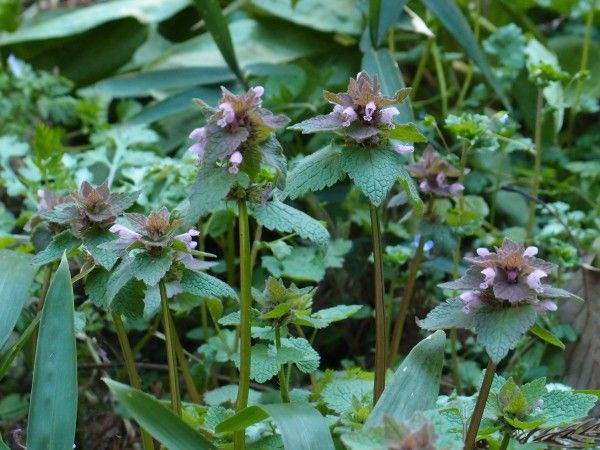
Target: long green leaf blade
[[16, 275], [374, 17], [415, 384], [301, 426], [452, 18], [53, 407], [157, 419], [389, 13], [546, 335], [217, 26]]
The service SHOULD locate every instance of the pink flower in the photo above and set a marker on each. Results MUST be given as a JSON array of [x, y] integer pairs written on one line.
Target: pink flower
[[369, 111], [534, 280], [403, 148], [124, 232], [198, 149], [481, 251], [489, 274], [424, 186], [455, 188], [258, 91], [43, 195], [228, 114], [530, 251], [387, 115], [188, 238], [198, 134], [348, 114], [546, 305], [235, 159], [470, 300]]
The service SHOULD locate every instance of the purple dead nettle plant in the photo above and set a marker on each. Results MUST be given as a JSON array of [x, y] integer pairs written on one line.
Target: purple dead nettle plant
[[437, 176], [504, 291], [370, 152]]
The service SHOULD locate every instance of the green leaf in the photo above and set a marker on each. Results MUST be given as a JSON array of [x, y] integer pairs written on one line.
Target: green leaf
[[278, 216], [301, 426], [204, 285], [374, 170], [374, 14], [415, 384], [129, 300], [564, 407], [273, 156], [409, 187], [3, 446], [53, 405], [151, 269], [498, 329], [406, 132], [381, 63], [16, 275], [373, 439], [546, 335], [215, 22], [157, 419], [61, 243], [208, 191], [93, 240], [449, 14], [512, 400], [339, 395], [389, 13], [315, 172]]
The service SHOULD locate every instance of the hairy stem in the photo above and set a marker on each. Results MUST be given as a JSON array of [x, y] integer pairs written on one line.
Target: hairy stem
[[230, 256], [190, 385], [380, 320], [132, 373], [535, 183], [171, 350], [484, 392], [283, 382], [244, 328]]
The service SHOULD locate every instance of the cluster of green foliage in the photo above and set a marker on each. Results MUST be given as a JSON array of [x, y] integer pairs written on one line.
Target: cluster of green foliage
[[326, 233]]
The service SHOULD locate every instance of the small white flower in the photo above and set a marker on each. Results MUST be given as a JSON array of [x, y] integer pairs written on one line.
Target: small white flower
[[235, 159], [481, 251], [387, 115], [403, 148], [188, 238], [530, 251], [534, 280], [124, 232], [369, 111], [489, 274], [228, 114]]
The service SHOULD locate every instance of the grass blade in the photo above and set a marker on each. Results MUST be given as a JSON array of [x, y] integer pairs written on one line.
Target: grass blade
[[415, 384], [389, 13], [53, 407], [449, 14], [301, 426], [217, 26], [546, 336], [157, 419], [16, 275], [374, 17]]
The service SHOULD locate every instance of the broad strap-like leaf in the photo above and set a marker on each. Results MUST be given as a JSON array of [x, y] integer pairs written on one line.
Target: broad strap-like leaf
[[157, 419], [449, 14], [373, 170], [278, 216], [205, 285], [61, 243], [16, 275], [389, 13], [216, 23], [53, 405], [315, 172], [301, 426], [415, 384], [546, 335]]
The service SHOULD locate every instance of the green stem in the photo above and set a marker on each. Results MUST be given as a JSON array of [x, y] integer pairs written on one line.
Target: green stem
[[380, 341], [484, 392], [505, 441], [283, 384], [439, 69], [476, 31], [132, 373], [454, 361], [171, 352], [406, 298], [420, 69], [244, 328], [230, 256], [582, 67], [192, 390], [535, 183]]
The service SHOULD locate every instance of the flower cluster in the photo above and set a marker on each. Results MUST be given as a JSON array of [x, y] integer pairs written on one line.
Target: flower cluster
[[512, 274], [434, 173], [90, 207], [234, 128], [362, 113], [282, 303], [156, 232]]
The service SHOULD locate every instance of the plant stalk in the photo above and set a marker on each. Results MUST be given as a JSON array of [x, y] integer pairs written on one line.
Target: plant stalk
[[132, 373], [505, 441], [244, 328], [192, 390], [171, 350], [380, 320], [535, 183], [484, 392], [283, 382]]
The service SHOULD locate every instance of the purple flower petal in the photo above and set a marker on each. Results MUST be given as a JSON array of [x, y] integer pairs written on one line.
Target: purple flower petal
[[403, 148], [490, 274]]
